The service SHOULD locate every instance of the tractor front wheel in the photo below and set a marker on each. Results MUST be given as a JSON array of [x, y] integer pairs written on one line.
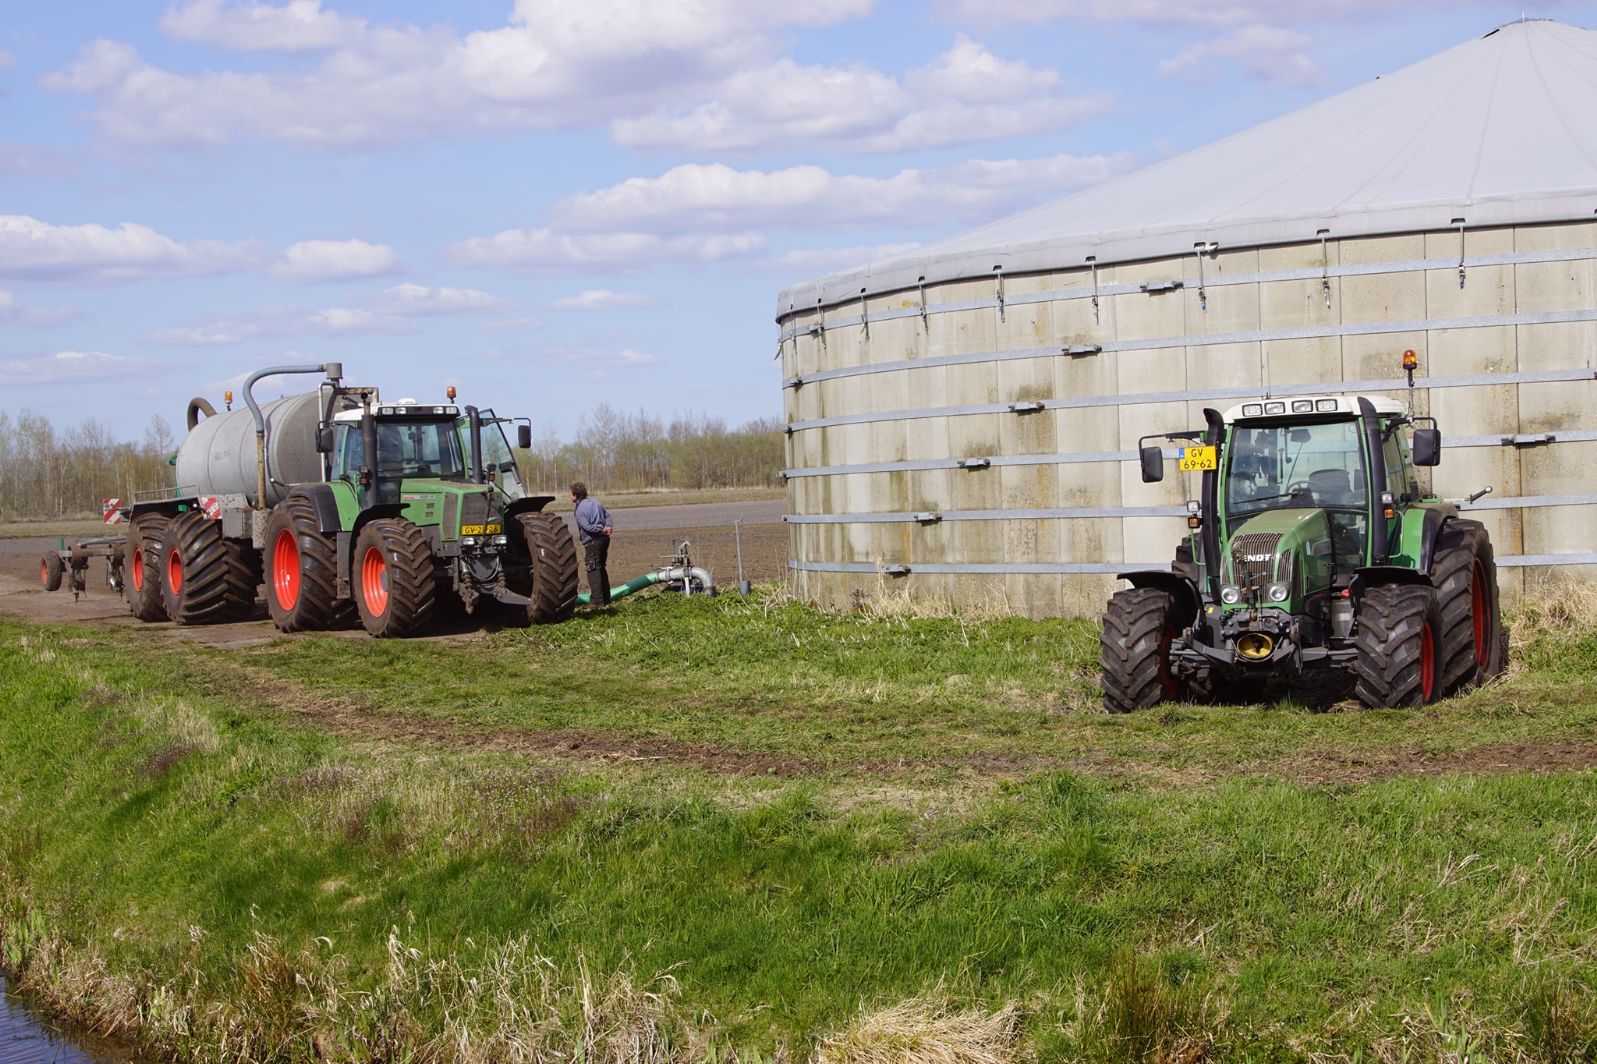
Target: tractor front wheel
[[395, 588], [1138, 628], [302, 570], [550, 579], [1465, 576], [206, 577], [144, 567], [1399, 647]]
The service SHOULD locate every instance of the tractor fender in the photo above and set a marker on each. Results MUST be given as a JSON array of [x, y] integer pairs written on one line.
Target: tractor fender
[[530, 504], [321, 497], [1380, 575], [1430, 528], [1179, 587], [164, 507]]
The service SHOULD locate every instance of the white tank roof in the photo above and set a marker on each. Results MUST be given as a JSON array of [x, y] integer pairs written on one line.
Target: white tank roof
[[1498, 131]]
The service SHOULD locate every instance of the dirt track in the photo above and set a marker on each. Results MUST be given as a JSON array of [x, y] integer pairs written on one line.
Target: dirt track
[[645, 539]]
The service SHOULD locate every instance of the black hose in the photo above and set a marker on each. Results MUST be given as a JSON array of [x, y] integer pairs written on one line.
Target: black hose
[[197, 406]]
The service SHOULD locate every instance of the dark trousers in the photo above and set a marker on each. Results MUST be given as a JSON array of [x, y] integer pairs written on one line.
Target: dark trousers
[[596, 552]]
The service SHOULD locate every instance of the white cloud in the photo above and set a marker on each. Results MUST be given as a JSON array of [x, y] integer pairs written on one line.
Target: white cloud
[[1272, 54], [966, 95], [39, 250], [14, 313], [547, 248], [334, 260], [297, 26], [554, 65], [630, 357], [604, 299], [512, 324], [421, 300], [67, 366], [34, 160], [708, 198], [279, 322]]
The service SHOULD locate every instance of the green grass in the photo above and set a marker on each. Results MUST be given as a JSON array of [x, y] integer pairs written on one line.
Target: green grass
[[752, 829]]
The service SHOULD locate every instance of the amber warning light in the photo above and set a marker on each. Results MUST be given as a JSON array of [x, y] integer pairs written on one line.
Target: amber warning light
[[227, 397], [450, 391], [1411, 362]]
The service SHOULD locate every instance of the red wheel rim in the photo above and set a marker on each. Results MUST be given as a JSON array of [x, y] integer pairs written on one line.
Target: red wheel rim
[[374, 581], [1480, 608], [44, 572], [285, 569], [138, 569], [1427, 664], [174, 571]]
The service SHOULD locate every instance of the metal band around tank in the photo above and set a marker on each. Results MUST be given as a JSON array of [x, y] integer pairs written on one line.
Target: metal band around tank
[[1307, 273], [1472, 380], [1086, 457], [1069, 513], [1164, 343], [1509, 561]]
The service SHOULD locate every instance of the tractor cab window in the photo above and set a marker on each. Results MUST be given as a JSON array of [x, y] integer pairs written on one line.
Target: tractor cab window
[[498, 460], [1295, 466], [405, 448]]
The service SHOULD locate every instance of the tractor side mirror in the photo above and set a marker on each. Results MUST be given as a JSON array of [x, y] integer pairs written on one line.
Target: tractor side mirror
[[1427, 447], [524, 437], [1152, 464], [324, 439]]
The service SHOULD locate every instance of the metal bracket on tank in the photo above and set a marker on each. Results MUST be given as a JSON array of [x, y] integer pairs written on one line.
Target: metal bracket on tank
[[920, 285], [1155, 287], [1092, 260], [896, 569], [1078, 350], [1325, 265], [928, 517], [974, 463], [1029, 406], [1460, 223], [998, 271], [864, 316], [1532, 439], [1202, 248], [793, 382]]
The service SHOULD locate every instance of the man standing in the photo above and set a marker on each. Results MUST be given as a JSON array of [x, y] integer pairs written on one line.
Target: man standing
[[593, 528]]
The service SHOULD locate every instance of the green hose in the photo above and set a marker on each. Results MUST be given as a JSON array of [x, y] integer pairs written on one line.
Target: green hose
[[622, 591]]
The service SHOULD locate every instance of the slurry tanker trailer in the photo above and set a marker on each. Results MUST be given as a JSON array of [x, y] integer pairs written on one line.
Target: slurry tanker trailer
[[344, 505]]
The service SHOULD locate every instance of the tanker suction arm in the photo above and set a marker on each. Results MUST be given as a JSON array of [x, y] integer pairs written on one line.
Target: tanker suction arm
[[334, 372]]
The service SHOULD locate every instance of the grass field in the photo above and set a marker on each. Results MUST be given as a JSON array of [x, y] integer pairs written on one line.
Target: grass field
[[736, 829]]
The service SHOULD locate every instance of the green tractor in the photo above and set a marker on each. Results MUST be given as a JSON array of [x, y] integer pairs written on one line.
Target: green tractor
[[1312, 547], [352, 506]]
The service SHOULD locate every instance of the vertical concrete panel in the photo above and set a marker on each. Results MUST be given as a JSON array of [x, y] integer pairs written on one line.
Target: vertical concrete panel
[[1565, 405], [1313, 361]]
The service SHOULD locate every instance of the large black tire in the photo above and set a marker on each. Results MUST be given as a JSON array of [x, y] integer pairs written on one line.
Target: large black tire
[[51, 571], [1464, 572], [1399, 646], [206, 578], [1138, 626], [302, 571], [547, 570], [392, 573], [144, 567]]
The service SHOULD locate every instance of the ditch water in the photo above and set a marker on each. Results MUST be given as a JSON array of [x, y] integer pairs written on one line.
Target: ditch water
[[27, 1039]]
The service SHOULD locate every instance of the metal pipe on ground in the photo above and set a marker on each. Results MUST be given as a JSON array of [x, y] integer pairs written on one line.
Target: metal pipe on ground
[[688, 576]]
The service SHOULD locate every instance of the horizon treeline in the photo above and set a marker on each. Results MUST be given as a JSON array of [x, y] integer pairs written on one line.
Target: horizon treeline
[[48, 471]]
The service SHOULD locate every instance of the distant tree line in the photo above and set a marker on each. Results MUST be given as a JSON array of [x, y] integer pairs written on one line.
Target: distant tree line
[[49, 472], [615, 451]]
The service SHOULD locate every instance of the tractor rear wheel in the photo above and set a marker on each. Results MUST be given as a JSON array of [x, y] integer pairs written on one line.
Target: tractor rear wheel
[[1399, 647], [144, 566], [51, 571], [1138, 628], [302, 571], [395, 588], [551, 570], [206, 578], [1465, 575]]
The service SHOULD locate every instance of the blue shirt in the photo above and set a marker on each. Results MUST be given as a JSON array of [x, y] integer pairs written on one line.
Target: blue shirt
[[591, 519]]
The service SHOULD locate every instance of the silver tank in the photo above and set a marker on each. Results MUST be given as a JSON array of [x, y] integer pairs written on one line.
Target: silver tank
[[218, 455]]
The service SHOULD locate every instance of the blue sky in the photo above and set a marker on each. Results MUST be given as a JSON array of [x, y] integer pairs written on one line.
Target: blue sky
[[556, 204]]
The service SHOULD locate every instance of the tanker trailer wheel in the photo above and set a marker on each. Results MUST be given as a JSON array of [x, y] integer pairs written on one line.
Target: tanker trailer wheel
[[1465, 575], [1138, 628], [51, 571], [395, 589], [550, 558], [144, 567], [1399, 645], [205, 577], [302, 571]]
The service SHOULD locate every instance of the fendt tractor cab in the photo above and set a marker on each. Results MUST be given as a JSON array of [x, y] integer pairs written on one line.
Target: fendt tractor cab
[[351, 505], [1312, 546]]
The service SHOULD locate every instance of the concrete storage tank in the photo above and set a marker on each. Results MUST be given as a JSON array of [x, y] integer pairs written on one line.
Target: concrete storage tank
[[963, 422]]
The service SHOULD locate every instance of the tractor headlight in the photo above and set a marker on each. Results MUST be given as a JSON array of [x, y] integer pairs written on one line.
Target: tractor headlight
[[499, 541], [1230, 595], [468, 541], [1277, 592]]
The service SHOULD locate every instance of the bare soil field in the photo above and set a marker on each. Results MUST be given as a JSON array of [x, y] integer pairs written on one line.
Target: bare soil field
[[646, 537]]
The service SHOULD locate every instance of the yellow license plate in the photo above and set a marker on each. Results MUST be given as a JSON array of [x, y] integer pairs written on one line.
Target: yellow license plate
[[1198, 459], [481, 530]]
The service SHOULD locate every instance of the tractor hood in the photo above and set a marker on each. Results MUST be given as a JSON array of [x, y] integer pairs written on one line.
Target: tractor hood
[[457, 508], [1290, 547]]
